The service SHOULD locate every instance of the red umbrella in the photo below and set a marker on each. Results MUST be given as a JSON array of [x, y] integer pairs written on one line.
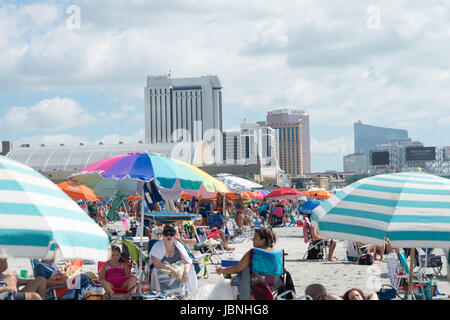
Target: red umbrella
[[284, 193]]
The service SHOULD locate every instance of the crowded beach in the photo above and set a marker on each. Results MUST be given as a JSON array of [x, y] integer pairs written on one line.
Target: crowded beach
[[212, 243]]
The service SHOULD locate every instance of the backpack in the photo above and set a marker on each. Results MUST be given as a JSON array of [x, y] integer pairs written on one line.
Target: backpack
[[366, 260], [288, 285]]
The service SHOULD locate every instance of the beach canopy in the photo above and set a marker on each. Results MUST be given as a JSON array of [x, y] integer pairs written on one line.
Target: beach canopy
[[284, 193], [411, 209], [36, 217], [237, 183], [171, 217], [79, 192], [125, 172]]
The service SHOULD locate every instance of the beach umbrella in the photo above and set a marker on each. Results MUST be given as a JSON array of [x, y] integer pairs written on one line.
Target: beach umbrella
[[411, 209], [319, 194], [308, 206], [127, 173], [124, 172], [284, 193], [76, 191], [237, 183], [36, 217]]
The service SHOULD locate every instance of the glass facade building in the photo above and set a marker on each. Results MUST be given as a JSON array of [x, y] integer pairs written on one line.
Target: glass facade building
[[368, 137]]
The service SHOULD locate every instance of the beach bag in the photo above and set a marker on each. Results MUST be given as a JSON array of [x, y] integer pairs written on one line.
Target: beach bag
[[314, 254], [366, 260], [288, 285]]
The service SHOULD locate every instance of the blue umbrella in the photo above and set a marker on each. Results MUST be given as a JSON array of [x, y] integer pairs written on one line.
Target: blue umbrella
[[309, 206]]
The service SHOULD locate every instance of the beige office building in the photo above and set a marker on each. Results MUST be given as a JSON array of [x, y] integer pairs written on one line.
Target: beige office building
[[288, 124]]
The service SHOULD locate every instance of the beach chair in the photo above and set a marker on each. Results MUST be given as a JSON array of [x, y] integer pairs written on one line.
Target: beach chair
[[425, 258], [313, 246], [52, 292], [207, 246], [267, 274], [119, 293], [399, 276], [233, 233], [355, 251]]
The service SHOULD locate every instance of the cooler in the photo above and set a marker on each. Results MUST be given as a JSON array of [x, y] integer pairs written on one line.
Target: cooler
[[229, 259]]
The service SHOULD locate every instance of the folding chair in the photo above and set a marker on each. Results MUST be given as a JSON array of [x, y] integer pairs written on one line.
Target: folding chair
[[355, 251], [427, 259], [320, 245], [119, 293], [207, 246], [267, 270], [51, 292], [399, 276]]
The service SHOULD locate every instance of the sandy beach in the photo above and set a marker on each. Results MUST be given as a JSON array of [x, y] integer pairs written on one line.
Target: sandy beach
[[337, 277]]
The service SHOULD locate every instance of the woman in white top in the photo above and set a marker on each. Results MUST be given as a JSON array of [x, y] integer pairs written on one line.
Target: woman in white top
[[167, 252]]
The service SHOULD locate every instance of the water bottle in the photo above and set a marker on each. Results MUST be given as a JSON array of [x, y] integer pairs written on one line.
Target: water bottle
[[434, 286]]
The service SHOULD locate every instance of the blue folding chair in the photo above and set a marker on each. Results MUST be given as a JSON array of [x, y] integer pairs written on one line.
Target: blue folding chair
[[267, 273]]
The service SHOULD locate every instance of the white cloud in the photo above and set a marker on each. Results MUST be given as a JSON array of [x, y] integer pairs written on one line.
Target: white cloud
[[337, 146], [47, 115]]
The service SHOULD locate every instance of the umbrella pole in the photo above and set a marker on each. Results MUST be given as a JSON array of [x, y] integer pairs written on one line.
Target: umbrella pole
[[411, 271], [141, 231]]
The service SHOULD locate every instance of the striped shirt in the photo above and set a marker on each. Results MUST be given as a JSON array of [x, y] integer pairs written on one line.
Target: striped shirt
[[173, 259]]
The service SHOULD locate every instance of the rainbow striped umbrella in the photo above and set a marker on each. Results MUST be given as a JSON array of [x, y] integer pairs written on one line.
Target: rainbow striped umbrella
[[124, 173], [36, 216], [411, 209]]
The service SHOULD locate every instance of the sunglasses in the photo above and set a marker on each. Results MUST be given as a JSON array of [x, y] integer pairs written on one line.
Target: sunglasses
[[169, 233]]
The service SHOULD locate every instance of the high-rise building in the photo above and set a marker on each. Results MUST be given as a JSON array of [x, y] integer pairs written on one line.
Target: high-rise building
[[192, 104], [368, 137], [231, 147], [293, 137], [259, 140], [358, 163]]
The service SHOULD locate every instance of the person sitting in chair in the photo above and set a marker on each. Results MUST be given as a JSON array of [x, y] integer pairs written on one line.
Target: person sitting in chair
[[116, 274], [34, 288], [166, 254], [330, 243], [263, 239]]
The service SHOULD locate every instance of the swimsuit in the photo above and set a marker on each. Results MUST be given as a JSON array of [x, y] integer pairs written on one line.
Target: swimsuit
[[116, 276]]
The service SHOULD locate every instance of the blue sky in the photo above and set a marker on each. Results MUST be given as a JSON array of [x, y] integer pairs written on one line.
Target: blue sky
[[384, 63]]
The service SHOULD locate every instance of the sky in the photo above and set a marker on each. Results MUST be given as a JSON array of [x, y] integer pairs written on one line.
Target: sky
[[75, 71]]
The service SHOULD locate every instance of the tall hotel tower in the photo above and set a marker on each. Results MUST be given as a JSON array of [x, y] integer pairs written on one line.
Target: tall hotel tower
[[294, 139], [192, 104]]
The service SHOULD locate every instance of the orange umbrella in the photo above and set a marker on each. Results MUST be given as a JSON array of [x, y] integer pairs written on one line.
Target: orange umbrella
[[80, 192], [133, 198], [188, 196], [232, 195], [319, 194]]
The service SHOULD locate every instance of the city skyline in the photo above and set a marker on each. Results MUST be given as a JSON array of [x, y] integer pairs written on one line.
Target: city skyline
[[71, 79]]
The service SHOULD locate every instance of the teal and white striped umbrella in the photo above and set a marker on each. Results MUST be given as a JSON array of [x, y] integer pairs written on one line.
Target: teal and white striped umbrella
[[36, 216], [411, 209]]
